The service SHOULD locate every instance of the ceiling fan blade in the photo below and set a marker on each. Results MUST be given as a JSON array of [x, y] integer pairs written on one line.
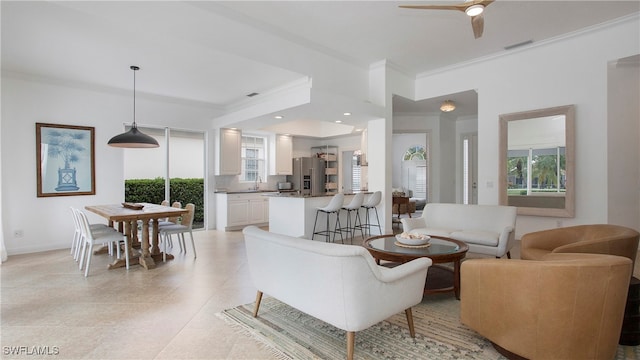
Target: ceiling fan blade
[[477, 23], [459, 7], [485, 3]]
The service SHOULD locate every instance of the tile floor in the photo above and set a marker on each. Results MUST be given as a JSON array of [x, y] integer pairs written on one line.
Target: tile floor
[[164, 313]]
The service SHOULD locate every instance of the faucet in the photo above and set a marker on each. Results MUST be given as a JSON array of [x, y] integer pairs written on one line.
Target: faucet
[[258, 181]]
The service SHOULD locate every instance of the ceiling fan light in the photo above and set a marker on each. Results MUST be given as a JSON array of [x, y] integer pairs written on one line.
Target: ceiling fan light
[[474, 10], [447, 106]]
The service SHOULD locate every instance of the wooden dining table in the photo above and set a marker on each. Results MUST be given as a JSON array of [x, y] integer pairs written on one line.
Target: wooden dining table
[[127, 223]]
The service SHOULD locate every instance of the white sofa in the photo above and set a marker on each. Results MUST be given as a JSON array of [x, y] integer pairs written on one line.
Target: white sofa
[[339, 284], [487, 229]]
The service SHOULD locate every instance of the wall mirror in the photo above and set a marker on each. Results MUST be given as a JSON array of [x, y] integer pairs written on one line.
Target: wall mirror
[[537, 161]]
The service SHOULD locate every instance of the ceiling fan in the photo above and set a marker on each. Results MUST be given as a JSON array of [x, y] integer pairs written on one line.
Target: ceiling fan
[[473, 8]]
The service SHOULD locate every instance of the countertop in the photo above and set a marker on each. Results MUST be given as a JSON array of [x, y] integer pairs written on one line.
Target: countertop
[[244, 191], [296, 195], [276, 193]]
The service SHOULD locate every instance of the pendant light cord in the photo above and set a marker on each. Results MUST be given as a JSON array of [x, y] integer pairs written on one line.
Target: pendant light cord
[[134, 68]]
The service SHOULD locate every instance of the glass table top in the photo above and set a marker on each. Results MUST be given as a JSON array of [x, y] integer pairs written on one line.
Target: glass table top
[[436, 247]]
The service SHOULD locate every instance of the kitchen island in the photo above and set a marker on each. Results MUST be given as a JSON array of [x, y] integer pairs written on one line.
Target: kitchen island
[[294, 215]]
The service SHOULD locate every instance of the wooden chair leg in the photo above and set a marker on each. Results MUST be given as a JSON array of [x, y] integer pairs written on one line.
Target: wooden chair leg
[[409, 314], [258, 299], [508, 254], [351, 343]]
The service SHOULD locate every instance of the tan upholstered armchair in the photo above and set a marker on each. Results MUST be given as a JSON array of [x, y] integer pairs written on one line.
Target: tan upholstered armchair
[[567, 306], [594, 239]]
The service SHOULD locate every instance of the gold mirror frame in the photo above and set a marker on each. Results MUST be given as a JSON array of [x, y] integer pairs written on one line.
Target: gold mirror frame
[[569, 113]]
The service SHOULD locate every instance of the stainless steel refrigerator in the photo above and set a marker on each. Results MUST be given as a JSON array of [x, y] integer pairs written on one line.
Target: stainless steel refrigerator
[[308, 176]]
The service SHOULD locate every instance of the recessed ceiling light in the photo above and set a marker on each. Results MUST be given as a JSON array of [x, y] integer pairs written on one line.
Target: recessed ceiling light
[[278, 117], [338, 121], [347, 114]]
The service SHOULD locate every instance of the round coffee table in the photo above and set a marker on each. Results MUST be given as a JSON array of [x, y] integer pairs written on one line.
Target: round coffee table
[[441, 250]]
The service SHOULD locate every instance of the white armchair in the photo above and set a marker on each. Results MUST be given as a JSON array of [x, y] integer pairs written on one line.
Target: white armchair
[[339, 284]]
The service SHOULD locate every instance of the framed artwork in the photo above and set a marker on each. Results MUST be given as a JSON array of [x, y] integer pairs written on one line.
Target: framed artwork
[[65, 160]]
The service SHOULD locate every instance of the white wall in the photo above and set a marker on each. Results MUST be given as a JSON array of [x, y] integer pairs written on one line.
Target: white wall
[[569, 71], [46, 222], [623, 145]]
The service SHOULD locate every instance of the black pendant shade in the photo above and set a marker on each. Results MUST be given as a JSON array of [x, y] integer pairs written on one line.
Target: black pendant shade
[[133, 138]]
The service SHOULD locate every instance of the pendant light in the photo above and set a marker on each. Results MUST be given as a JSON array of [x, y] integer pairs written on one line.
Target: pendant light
[[133, 138]]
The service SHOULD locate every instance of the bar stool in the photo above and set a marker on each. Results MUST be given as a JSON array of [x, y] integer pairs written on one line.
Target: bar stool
[[371, 203], [333, 207], [354, 205]]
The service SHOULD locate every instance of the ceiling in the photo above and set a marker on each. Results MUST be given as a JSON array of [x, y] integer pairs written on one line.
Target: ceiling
[[215, 53]]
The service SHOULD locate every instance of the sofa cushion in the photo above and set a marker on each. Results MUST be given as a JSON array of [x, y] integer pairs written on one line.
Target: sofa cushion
[[488, 229], [434, 231], [480, 237]]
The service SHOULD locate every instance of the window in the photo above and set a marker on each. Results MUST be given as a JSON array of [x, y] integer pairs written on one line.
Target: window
[[421, 182], [355, 170], [536, 170], [416, 152], [253, 158], [415, 171]]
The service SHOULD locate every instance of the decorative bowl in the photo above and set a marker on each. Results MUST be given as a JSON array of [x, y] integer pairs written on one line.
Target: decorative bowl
[[132, 206], [413, 239]]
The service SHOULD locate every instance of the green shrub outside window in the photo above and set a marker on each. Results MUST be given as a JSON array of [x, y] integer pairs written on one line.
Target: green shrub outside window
[[183, 190]]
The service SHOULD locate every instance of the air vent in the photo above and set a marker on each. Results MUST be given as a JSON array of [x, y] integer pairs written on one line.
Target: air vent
[[252, 94], [518, 45]]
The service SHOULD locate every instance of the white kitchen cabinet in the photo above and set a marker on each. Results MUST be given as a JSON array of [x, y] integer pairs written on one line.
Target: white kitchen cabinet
[[281, 155], [256, 211], [235, 211], [229, 154]]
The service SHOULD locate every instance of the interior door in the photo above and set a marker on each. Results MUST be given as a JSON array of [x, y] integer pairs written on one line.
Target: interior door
[[470, 168]]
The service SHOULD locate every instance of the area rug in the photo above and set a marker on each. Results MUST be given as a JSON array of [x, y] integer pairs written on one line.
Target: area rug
[[295, 335], [291, 334]]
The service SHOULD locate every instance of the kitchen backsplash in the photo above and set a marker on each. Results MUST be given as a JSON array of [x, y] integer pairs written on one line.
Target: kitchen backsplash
[[232, 183]]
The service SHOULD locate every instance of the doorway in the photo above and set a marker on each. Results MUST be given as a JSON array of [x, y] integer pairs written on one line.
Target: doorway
[[173, 171], [351, 171], [469, 168]]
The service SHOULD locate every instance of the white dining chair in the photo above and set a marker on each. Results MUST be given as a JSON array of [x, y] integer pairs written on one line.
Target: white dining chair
[[185, 226], [170, 221], [77, 234], [89, 238]]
